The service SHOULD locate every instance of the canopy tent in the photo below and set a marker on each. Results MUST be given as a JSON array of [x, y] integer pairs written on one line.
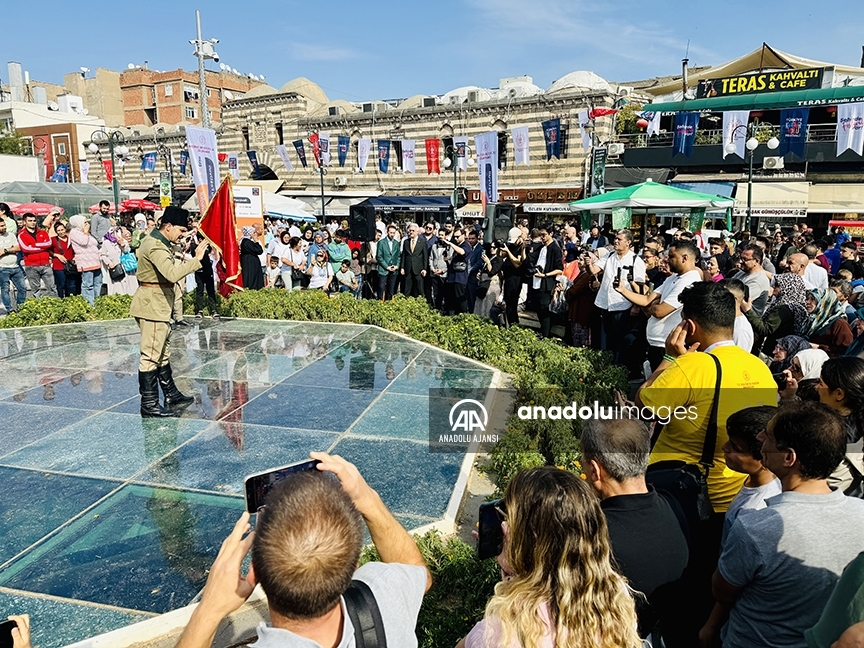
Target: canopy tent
[[651, 195], [282, 206]]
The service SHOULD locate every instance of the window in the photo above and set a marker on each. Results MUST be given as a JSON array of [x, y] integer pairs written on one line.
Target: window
[[191, 113], [169, 89], [190, 93], [502, 150], [563, 144], [61, 148], [245, 131], [280, 139]]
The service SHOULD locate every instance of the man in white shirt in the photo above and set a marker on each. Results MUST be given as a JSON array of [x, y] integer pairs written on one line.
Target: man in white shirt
[[662, 307], [621, 266], [815, 276]]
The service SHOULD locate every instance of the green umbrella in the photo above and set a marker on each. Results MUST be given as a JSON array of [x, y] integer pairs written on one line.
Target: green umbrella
[[648, 195]]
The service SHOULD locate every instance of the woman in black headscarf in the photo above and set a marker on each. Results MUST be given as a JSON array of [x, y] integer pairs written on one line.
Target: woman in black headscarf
[[250, 260]]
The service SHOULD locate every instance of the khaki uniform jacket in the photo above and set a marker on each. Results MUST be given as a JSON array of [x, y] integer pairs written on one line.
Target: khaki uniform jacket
[[156, 265]]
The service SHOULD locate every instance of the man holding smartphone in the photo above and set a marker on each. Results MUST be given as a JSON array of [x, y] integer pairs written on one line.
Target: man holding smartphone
[[305, 550]]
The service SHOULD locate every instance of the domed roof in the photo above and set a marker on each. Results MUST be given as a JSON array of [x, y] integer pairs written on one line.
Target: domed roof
[[580, 80], [307, 88], [260, 91], [483, 94], [517, 89], [345, 108], [413, 102]]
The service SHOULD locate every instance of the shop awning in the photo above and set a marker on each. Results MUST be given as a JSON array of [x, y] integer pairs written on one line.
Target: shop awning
[[767, 101], [780, 199], [836, 199], [853, 228], [471, 210], [411, 203]]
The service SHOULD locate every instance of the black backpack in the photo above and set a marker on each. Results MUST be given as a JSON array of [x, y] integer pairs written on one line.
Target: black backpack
[[365, 616]]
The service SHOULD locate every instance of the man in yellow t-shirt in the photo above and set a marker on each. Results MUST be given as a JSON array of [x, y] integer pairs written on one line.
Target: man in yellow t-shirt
[[687, 377]]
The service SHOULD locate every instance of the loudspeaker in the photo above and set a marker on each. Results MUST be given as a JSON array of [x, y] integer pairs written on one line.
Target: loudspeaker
[[361, 222], [499, 220]]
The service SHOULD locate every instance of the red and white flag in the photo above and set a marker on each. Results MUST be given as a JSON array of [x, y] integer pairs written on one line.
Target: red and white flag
[[218, 226], [433, 164], [109, 170]]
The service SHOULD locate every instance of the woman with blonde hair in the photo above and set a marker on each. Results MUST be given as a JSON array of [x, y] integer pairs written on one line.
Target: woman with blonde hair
[[559, 588]]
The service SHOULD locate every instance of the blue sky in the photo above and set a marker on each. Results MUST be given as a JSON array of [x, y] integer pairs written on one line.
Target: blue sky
[[387, 49]]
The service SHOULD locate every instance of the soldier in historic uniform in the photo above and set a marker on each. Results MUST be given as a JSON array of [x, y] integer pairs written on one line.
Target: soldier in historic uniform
[[151, 307]]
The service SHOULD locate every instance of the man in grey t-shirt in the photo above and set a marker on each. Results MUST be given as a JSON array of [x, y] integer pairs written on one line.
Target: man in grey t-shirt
[[754, 277], [100, 223], [779, 565], [305, 550]]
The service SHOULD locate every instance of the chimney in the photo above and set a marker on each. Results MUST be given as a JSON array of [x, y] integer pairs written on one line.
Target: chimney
[[16, 81]]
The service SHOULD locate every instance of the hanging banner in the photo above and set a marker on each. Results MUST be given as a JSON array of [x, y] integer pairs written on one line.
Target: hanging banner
[[598, 170], [84, 170], [850, 127], [653, 118], [552, 135], [364, 148], [109, 170], [735, 131], [520, 145], [253, 159], [584, 128], [622, 218], [793, 131], [685, 133], [343, 141], [697, 219], [301, 151], [585, 219], [165, 189], [487, 165], [184, 160], [408, 156], [729, 218], [204, 159], [234, 165], [594, 113], [316, 148], [282, 152], [324, 145], [433, 165], [383, 155], [61, 174], [148, 161], [808, 79], [460, 144]]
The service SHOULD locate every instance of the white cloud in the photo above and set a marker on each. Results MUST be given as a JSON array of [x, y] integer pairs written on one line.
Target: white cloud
[[308, 52]]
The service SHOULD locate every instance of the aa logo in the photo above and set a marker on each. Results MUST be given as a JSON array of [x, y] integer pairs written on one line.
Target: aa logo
[[468, 416]]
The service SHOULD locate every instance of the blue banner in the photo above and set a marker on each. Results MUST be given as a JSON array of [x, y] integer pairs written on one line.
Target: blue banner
[[184, 159], [686, 124], [793, 131], [148, 161], [301, 152], [383, 155], [61, 174], [552, 135], [253, 158], [342, 152]]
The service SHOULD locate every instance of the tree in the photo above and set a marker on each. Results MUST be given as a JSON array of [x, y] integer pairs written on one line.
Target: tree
[[11, 143], [626, 120]]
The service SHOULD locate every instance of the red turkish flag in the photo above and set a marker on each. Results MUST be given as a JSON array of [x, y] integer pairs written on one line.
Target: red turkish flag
[[432, 163], [601, 112], [316, 148], [109, 170], [218, 226], [222, 156]]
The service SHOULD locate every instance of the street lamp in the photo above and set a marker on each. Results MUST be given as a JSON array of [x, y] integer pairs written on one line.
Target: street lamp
[[452, 151], [168, 154], [751, 145], [116, 144], [203, 50], [322, 172]]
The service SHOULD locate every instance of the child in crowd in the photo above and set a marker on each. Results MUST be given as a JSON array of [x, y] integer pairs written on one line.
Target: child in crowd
[[274, 274], [743, 454]]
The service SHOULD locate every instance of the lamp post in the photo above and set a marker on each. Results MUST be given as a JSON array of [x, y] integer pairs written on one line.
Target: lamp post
[[322, 172], [452, 160], [751, 145], [116, 144], [203, 50], [168, 154]]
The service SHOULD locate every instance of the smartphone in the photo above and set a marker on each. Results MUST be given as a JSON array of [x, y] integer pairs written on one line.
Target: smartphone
[[780, 379], [490, 536], [6, 628], [257, 486]]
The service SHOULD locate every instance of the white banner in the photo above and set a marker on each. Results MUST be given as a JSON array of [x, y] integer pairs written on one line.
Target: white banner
[[461, 145], [204, 160], [584, 122], [364, 146], [735, 130], [84, 169], [408, 156], [234, 165], [282, 152], [520, 145], [850, 127], [653, 117], [487, 164], [324, 147]]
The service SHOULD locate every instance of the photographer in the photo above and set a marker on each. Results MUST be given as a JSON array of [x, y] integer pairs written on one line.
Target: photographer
[[549, 265], [457, 273], [489, 284], [513, 272], [439, 259]]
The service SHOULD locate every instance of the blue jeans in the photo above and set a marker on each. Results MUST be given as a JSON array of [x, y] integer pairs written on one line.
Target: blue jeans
[[91, 284], [16, 275], [65, 284]]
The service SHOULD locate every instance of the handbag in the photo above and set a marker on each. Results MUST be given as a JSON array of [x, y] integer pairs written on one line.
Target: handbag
[[117, 273], [458, 266], [129, 261], [687, 483], [70, 267], [297, 275]]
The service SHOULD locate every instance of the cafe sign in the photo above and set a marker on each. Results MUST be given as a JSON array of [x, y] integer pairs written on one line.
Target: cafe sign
[[757, 83], [535, 195]]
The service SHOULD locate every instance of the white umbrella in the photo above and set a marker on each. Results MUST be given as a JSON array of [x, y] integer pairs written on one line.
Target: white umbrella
[[278, 205]]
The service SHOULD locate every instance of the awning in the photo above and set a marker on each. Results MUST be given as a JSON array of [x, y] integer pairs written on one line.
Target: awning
[[779, 199], [853, 228], [411, 203], [546, 208], [836, 199], [273, 186], [471, 210], [720, 188], [767, 101]]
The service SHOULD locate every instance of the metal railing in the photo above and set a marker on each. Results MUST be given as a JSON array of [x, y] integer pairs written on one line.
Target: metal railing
[[714, 137]]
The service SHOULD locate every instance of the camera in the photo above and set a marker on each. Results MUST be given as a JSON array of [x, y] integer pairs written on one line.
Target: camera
[[442, 243]]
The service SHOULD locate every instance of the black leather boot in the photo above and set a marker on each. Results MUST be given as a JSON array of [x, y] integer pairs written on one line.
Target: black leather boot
[[173, 396], [148, 385]]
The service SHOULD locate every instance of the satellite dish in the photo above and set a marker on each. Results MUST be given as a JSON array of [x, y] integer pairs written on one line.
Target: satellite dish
[[84, 70], [131, 66], [52, 105], [229, 95], [234, 70], [84, 111], [222, 66], [262, 77]]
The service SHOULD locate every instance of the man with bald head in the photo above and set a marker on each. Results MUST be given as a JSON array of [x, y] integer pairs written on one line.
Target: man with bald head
[[815, 276]]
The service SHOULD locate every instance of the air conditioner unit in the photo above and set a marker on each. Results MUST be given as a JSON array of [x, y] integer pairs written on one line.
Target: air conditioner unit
[[773, 162], [473, 96], [616, 148], [429, 102], [368, 107], [455, 100], [333, 111], [340, 181], [625, 91]]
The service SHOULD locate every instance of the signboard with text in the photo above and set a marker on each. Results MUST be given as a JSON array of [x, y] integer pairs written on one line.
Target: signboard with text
[[757, 83]]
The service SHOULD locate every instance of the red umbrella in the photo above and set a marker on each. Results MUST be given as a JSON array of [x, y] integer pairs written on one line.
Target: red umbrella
[[37, 209], [95, 208], [12, 205], [138, 203]]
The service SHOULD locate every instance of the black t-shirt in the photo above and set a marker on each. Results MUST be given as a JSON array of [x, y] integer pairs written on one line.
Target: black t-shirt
[[855, 267], [650, 548]]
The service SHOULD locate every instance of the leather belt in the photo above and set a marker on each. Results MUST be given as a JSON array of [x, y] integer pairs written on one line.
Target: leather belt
[[155, 285]]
